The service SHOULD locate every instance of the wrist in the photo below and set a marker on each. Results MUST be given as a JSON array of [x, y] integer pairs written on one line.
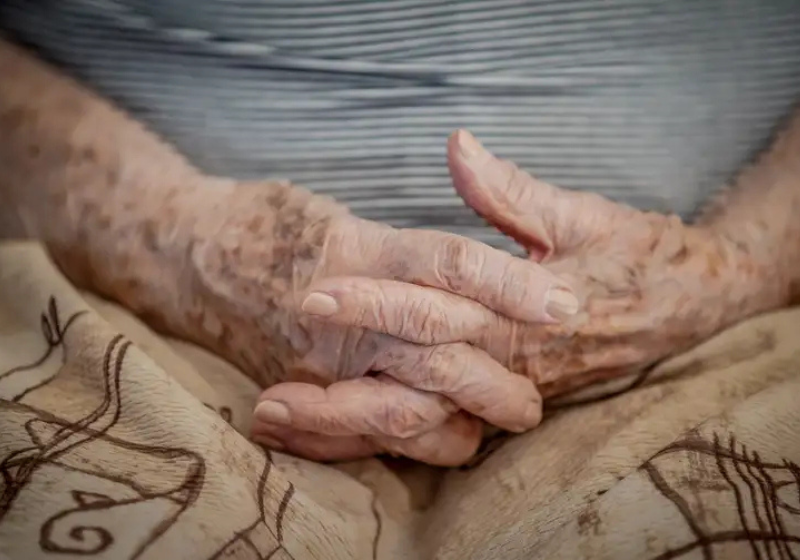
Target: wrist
[[254, 240], [253, 247], [131, 244], [759, 216], [754, 278]]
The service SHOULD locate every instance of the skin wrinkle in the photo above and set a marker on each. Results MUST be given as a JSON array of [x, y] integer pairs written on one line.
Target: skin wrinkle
[[225, 263], [266, 255], [650, 284]]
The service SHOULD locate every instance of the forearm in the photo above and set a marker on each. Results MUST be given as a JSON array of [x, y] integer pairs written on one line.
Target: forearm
[[118, 209], [78, 174], [760, 214]]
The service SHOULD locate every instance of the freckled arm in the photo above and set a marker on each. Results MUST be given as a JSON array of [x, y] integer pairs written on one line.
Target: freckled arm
[[76, 173], [761, 211], [118, 209]]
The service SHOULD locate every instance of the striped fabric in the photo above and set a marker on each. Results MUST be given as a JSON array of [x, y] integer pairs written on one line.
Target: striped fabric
[[651, 102]]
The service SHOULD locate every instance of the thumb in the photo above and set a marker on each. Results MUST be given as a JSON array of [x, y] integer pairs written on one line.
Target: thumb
[[540, 217]]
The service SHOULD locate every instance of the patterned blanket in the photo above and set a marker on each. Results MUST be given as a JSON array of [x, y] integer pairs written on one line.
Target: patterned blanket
[[116, 443]]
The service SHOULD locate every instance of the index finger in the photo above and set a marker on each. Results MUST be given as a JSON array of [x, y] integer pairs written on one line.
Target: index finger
[[517, 288]]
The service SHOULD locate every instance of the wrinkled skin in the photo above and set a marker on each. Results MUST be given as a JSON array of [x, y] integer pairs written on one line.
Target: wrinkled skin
[[650, 285], [227, 264], [423, 341], [249, 278]]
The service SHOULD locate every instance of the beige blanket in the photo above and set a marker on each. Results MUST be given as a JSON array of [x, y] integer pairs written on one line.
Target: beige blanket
[[117, 444]]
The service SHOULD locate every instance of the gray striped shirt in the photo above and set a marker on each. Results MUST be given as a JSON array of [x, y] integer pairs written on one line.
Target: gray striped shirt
[[655, 103]]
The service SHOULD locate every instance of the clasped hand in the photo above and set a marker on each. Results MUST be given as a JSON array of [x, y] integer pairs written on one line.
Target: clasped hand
[[381, 340]]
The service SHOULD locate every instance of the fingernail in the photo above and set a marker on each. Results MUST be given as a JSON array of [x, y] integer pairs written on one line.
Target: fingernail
[[560, 303], [468, 145], [273, 412], [320, 304]]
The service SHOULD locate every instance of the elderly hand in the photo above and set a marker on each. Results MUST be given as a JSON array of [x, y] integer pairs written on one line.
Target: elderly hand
[[248, 285], [650, 285]]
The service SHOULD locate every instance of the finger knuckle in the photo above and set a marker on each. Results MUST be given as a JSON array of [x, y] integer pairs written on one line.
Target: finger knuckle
[[323, 423], [382, 311], [446, 370], [456, 263], [404, 421], [425, 321]]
